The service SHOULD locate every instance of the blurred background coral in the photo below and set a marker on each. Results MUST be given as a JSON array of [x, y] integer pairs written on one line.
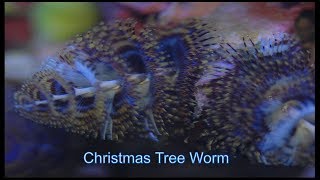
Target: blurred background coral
[[34, 31]]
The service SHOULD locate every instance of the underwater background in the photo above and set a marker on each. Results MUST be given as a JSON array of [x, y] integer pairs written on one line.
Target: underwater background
[[33, 31]]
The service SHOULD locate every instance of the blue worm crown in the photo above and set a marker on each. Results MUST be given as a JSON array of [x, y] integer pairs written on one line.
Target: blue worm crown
[[182, 82]]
